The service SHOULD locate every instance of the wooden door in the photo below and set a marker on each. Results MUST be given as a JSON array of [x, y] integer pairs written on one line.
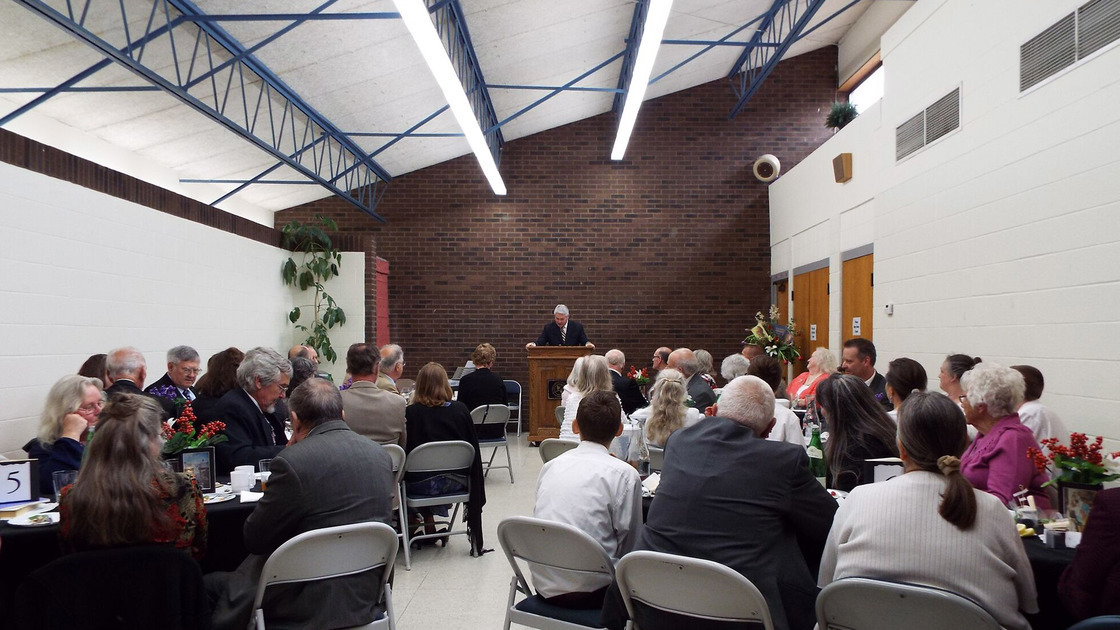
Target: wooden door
[[810, 309], [781, 299], [858, 304]]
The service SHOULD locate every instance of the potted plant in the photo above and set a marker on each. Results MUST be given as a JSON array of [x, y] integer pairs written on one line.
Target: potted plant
[[840, 114], [319, 263], [1079, 471]]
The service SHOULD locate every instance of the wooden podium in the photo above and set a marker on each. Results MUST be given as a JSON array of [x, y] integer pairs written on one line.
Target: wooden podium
[[548, 363]]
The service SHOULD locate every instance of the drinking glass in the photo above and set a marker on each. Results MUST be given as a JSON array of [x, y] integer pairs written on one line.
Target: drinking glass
[[61, 479], [263, 467]]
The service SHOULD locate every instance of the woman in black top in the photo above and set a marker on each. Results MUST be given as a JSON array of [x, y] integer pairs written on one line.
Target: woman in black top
[[483, 387], [859, 429]]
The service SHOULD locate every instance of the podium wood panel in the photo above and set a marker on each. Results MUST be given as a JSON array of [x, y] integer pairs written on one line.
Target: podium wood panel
[[548, 363]]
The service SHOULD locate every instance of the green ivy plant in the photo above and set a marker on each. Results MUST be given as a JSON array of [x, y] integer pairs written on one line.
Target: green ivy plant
[[840, 114], [319, 262]]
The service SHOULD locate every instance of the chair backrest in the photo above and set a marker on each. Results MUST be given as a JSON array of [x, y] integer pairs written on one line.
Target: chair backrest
[[691, 588], [553, 448], [866, 604], [513, 390], [656, 457], [330, 552], [551, 544], [435, 457], [1105, 622], [396, 453], [490, 414], [559, 416]]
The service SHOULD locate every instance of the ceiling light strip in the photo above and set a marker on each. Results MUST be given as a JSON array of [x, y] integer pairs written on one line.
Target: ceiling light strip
[[657, 15]]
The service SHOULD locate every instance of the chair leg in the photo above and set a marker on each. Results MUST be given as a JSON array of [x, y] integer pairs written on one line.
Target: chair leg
[[405, 527], [509, 463], [389, 607], [509, 602], [490, 462]]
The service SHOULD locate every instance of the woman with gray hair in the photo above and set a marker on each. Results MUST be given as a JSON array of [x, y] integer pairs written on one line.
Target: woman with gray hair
[[997, 461], [595, 376], [821, 363], [705, 367], [69, 415], [733, 367]]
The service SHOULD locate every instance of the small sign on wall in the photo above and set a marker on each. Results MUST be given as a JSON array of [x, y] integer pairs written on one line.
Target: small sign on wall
[[812, 332], [855, 326]]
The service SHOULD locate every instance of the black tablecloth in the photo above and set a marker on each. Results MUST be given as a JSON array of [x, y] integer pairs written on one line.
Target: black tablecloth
[[1048, 565]]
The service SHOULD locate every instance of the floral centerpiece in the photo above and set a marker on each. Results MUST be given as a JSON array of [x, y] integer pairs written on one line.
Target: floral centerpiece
[[775, 339], [185, 435], [1079, 470], [171, 393], [638, 375]]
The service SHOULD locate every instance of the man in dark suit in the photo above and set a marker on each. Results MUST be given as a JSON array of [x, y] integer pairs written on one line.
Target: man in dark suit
[[684, 361], [263, 378], [729, 495], [127, 370], [561, 331], [628, 391], [327, 476], [859, 360], [178, 381]]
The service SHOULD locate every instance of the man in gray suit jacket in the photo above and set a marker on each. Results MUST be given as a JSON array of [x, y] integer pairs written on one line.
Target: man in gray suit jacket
[[328, 475], [371, 411], [729, 495]]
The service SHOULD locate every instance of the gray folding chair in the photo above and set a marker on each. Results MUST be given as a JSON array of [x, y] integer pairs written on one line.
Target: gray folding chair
[[666, 591], [432, 460], [553, 447], [656, 458], [513, 401], [559, 416], [396, 453], [332, 552], [865, 604], [492, 415], [553, 545]]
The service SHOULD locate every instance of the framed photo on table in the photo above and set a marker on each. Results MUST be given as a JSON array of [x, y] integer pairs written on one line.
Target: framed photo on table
[[199, 463]]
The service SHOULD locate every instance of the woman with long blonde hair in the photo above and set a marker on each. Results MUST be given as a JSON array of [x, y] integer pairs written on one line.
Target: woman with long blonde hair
[[667, 410]]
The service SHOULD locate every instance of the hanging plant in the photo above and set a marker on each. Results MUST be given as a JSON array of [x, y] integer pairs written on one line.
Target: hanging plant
[[840, 115], [319, 263]]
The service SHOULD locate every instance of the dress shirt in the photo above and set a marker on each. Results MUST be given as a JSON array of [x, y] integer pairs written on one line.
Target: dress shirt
[[598, 494], [570, 409], [1042, 422], [787, 427]]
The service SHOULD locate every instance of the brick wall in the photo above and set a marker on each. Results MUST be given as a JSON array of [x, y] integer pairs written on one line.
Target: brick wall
[[669, 247]]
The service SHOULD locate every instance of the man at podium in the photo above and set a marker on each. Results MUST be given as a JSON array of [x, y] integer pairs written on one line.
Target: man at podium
[[561, 331]]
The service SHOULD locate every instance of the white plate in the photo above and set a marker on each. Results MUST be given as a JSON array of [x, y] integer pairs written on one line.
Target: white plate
[[24, 520], [218, 498]]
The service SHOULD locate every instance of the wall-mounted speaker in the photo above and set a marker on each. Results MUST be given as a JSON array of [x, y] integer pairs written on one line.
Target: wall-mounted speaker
[[767, 168], [842, 167]]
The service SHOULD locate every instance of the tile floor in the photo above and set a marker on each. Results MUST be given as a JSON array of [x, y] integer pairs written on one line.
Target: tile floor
[[447, 588]]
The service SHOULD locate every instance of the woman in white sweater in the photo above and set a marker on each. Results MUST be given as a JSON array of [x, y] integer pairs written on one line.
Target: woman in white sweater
[[929, 526]]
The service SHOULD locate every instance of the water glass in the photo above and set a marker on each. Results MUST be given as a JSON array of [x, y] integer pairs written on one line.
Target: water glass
[[263, 467], [61, 479]]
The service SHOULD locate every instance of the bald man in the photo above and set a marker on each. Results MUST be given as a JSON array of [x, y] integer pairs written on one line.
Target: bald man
[[684, 361]]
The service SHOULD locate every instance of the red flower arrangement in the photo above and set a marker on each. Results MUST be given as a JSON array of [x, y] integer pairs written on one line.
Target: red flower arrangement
[[1080, 462], [639, 376], [185, 436]]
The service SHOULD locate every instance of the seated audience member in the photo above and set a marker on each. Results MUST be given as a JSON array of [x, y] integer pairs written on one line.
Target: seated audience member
[[929, 526], [370, 410], [391, 368], [572, 385], [952, 369], [628, 391], [684, 361], [733, 366], [771, 530], [182, 371], [820, 364], [660, 359], [70, 413], [1042, 422], [667, 412], [484, 387], [127, 369], [304, 352], [996, 462], [220, 377], [594, 377], [904, 377], [750, 351], [302, 369], [1090, 585], [859, 361], [262, 379], [434, 417], [327, 476], [598, 494], [124, 495], [94, 367], [705, 366], [858, 428], [787, 426]]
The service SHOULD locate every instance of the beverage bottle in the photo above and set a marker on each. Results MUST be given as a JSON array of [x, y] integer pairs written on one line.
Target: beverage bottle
[[816, 456]]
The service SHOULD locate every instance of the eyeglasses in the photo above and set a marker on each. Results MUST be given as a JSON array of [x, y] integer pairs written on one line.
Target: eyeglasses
[[191, 371], [92, 407]]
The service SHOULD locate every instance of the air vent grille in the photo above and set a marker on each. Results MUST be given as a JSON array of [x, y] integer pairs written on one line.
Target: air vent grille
[[910, 136], [1093, 26], [943, 116], [1098, 25]]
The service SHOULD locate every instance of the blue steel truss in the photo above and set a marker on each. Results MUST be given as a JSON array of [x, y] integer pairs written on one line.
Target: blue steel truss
[[630, 55], [214, 74]]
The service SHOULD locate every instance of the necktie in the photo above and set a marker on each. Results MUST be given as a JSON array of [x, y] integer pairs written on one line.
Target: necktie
[[563, 335]]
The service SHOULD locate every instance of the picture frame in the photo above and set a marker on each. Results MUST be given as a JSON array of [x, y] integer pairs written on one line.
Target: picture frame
[[199, 463]]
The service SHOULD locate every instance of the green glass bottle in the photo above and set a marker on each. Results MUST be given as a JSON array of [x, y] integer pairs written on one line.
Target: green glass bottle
[[816, 456]]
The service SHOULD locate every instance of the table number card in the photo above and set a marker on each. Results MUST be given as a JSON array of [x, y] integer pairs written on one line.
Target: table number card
[[19, 480]]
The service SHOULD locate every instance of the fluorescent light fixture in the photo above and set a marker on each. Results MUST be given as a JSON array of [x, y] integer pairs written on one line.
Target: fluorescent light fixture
[[656, 17], [419, 23]]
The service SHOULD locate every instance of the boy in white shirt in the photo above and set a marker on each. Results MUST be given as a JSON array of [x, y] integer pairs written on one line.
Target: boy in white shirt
[[593, 491]]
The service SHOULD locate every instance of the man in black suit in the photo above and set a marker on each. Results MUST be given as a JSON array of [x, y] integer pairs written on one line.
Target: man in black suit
[[684, 361], [263, 378], [327, 476], [628, 391], [182, 371], [752, 505], [859, 360], [562, 331], [127, 370]]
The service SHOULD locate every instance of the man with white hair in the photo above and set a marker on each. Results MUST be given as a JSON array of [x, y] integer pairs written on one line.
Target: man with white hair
[[752, 506], [127, 370], [684, 361], [628, 391], [561, 331], [263, 378], [391, 367], [182, 372]]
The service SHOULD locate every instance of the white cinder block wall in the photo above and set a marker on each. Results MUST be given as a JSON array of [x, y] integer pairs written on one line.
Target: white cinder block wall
[[85, 272], [1000, 240]]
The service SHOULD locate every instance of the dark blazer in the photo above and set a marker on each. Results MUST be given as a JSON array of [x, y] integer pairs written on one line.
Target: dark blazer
[[250, 434], [879, 391], [483, 387], [164, 381], [1090, 585], [125, 386], [701, 392], [550, 336], [331, 477], [771, 530], [628, 392]]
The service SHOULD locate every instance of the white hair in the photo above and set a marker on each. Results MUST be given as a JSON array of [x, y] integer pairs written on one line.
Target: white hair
[[392, 357], [734, 366], [125, 361], [560, 308], [826, 361], [998, 387], [615, 357], [749, 401], [263, 363], [179, 354]]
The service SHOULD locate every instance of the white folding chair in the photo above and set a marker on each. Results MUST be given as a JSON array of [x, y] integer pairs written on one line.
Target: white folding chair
[[396, 453], [493, 415], [513, 401], [866, 604], [332, 552], [552, 448], [656, 458], [553, 545], [431, 460], [679, 589]]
